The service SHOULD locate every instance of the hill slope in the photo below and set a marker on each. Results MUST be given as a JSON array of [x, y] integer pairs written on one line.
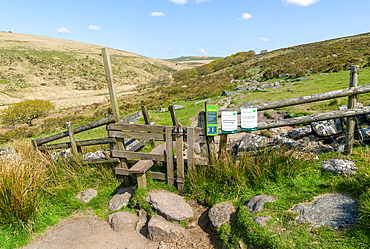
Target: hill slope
[[67, 72]]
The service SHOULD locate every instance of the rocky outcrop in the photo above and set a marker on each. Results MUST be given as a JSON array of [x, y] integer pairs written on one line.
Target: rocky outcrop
[[339, 166], [328, 127]]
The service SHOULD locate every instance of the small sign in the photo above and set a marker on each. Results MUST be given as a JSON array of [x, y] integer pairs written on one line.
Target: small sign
[[211, 120], [229, 122], [249, 121]]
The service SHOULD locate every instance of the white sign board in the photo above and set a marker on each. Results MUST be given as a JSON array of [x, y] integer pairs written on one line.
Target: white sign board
[[229, 122], [249, 119]]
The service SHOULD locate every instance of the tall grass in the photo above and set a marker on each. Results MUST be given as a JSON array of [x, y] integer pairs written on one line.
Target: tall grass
[[22, 178], [228, 178]]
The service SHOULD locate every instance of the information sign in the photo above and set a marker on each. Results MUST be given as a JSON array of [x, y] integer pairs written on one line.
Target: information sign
[[229, 122], [211, 120], [249, 121]]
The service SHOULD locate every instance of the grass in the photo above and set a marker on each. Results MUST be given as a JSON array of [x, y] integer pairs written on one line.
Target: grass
[[274, 172]]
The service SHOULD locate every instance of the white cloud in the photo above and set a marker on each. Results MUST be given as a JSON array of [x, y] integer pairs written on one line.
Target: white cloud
[[201, 1], [303, 3], [202, 51], [180, 2], [153, 14], [171, 50], [63, 31], [21, 22], [94, 27], [245, 16], [265, 39]]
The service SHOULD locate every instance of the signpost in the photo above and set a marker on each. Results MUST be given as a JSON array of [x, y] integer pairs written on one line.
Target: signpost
[[229, 122], [249, 120], [211, 120]]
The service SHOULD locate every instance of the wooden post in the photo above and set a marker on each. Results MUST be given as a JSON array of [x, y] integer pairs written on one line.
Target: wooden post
[[350, 128], [114, 105], [72, 138], [190, 142], [169, 157], [171, 108], [223, 143], [147, 121], [210, 141], [179, 158], [202, 124], [141, 180]]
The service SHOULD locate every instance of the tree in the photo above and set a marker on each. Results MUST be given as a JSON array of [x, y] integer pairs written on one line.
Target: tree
[[26, 111]]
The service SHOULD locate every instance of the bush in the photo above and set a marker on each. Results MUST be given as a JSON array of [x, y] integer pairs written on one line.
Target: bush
[[184, 74], [26, 111]]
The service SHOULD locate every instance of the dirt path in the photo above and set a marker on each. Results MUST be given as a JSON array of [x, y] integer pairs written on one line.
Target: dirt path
[[86, 231]]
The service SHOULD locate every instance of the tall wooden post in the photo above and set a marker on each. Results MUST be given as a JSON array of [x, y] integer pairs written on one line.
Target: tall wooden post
[[223, 144], [114, 104], [179, 158], [147, 121], [350, 128], [169, 157], [202, 124], [171, 108]]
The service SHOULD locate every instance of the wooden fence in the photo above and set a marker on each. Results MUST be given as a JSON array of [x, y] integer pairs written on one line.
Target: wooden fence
[[167, 138]]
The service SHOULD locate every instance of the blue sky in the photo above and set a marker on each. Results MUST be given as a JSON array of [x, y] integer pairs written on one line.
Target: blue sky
[[174, 28]]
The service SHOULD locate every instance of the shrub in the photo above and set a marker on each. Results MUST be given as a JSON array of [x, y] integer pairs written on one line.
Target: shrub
[[26, 111]]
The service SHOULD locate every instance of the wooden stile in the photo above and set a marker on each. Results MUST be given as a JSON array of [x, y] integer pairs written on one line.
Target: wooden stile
[[180, 158], [169, 157]]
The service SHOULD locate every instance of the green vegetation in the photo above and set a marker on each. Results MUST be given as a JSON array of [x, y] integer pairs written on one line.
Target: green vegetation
[[26, 111]]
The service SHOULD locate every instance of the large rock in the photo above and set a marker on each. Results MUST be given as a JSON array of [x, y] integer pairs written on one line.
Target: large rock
[[335, 210], [87, 195], [300, 132], [339, 166], [221, 214], [170, 205], [122, 220], [121, 198], [308, 145], [256, 203], [328, 127], [289, 143], [251, 142], [162, 230]]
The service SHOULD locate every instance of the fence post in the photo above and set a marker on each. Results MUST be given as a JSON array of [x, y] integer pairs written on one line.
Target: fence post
[[115, 107], [169, 157], [223, 143], [179, 158], [190, 142], [171, 108], [202, 124], [350, 128], [147, 120], [72, 138], [210, 140]]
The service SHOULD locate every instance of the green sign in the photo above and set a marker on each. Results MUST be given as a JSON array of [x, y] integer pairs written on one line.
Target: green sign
[[211, 120]]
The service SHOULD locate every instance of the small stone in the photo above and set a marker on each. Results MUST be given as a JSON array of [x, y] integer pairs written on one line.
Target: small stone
[[162, 230], [121, 198], [122, 220], [339, 166], [87, 195], [221, 214], [256, 203], [260, 220]]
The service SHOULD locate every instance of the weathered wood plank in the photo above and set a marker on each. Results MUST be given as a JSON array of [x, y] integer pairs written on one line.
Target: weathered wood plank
[[76, 130], [137, 135], [147, 121], [223, 143], [106, 140], [132, 117], [138, 145], [103, 161], [350, 128], [137, 127], [180, 159], [314, 118], [308, 99], [190, 142], [138, 155], [169, 157], [158, 175]]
